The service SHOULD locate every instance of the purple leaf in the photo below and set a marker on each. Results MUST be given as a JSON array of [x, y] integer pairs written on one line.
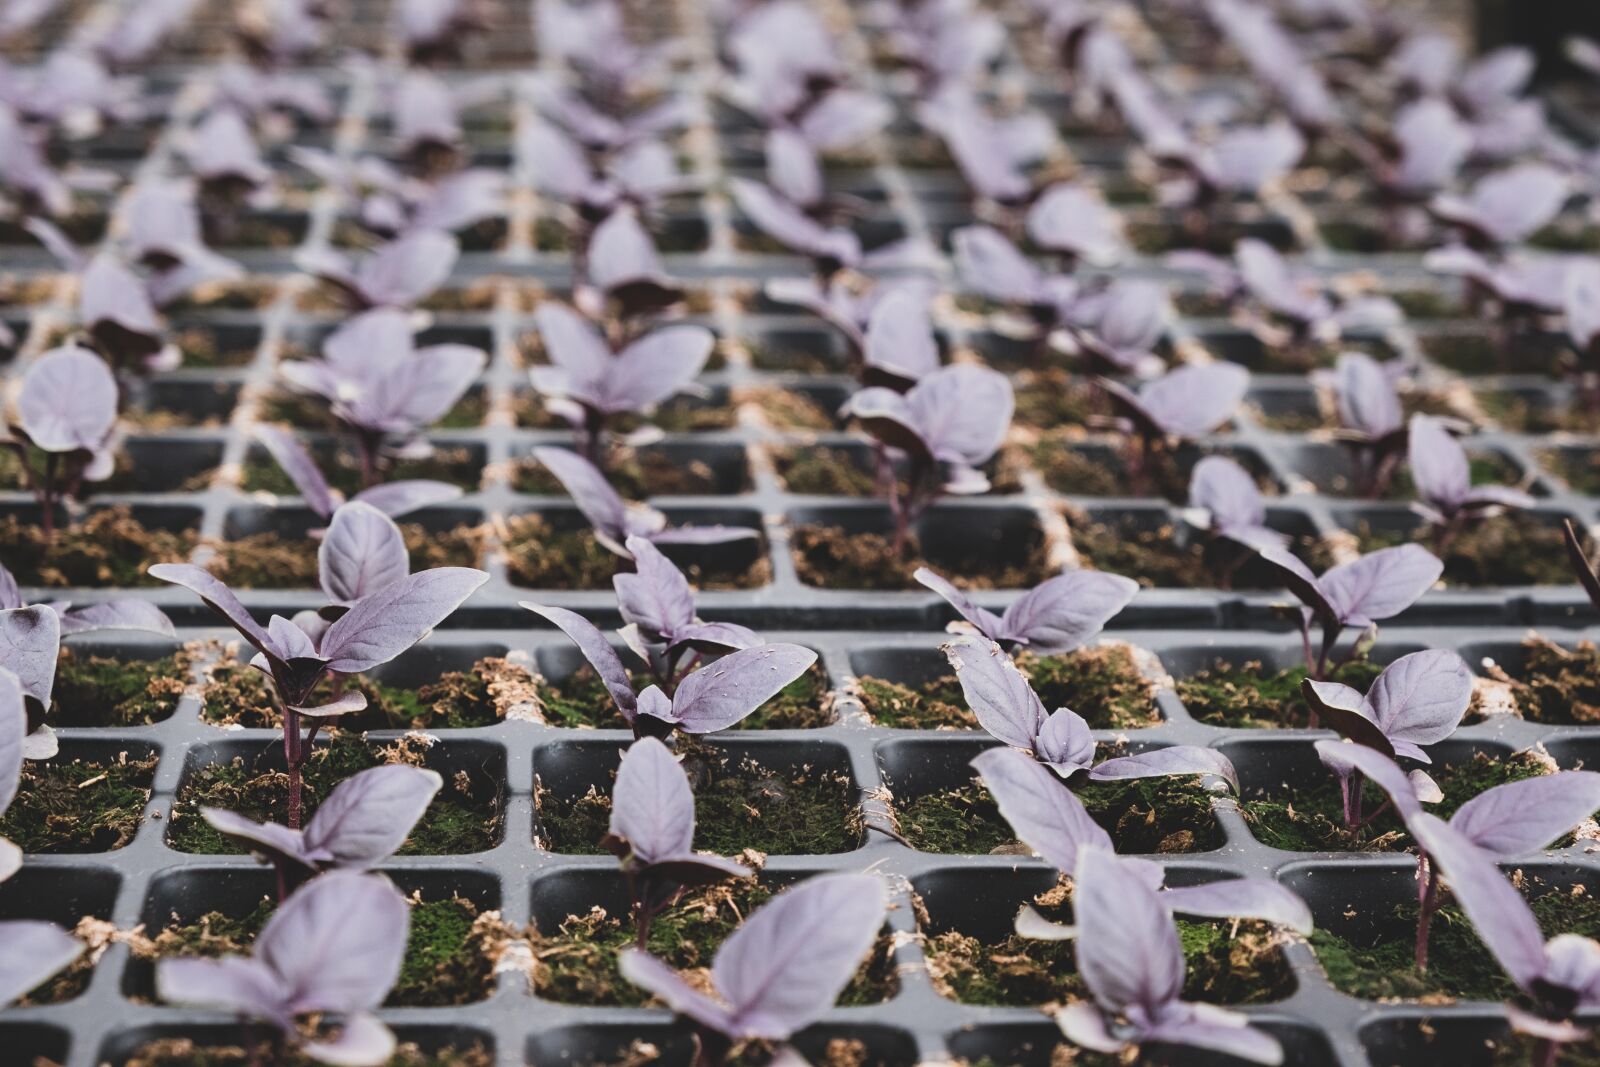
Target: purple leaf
[[13, 728], [362, 552], [1516, 818], [1173, 759], [1044, 813], [1343, 758], [1581, 302], [1072, 219], [1366, 396], [1063, 613], [1127, 951], [1380, 584], [1232, 501], [368, 815], [220, 599], [990, 265], [1438, 464], [655, 367], [597, 650], [30, 641], [900, 346], [1420, 698], [649, 973], [1188, 401], [722, 693], [68, 401], [381, 625], [657, 598], [116, 615], [788, 225], [302, 470], [622, 257], [606, 511], [337, 943], [1001, 698], [1496, 910], [1433, 143], [1065, 743], [31, 952], [395, 499], [406, 270], [652, 807], [1241, 898], [362, 1039], [984, 621], [792, 167], [270, 840], [1509, 205]]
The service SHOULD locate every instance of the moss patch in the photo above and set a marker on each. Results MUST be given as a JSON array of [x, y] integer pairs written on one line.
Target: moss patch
[[1458, 964], [932, 705], [108, 548], [681, 414], [459, 700], [824, 472], [79, 805], [273, 561], [1552, 684], [116, 691], [1145, 815], [1311, 818], [636, 475], [546, 558], [582, 701], [1052, 398], [1158, 558], [459, 821], [738, 804], [1252, 696], [1227, 964], [342, 467], [578, 960], [1511, 549], [1536, 413], [834, 558], [786, 409]]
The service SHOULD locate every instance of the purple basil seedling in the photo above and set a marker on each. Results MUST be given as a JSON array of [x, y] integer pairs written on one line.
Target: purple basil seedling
[[947, 425], [382, 388], [1008, 708], [1371, 422], [657, 607], [1225, 501], [358, 826], [1505, 822], [590, 384], [1361, 593], [831, 249], [116, 309], [1056, 616], [394, 499], [398, 274], [780, 971], [223, 157], [389, 204], [165, 237], [334, 948], [1580, 300], [1446, 496], [713, 697], [1129, 955], [1506, 207], [1185, 403], [615, 520], [66, 414], [30, 951], [652, 833], [852, 313], [376, 611]]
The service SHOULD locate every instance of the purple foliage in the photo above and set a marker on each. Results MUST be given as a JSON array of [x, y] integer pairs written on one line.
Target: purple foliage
[[1056, 616], [656, 603], [66, 410], [830, 248], [615, 520], [781, 969], [1371, 421], [333, 948], [398, 274], [652, 833], [1446, 496], [1417, 700], [1229, 503], [1006, 706], [118, 311], [392, 498], [1508, 206], [713, 697]]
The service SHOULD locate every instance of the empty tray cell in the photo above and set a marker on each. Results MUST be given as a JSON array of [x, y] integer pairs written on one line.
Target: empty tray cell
[[554, 548], [668, 468], [107, 682], [73, 898], [1517, 548], [1164, 552], [1476, 348], [270, 548], [979, 546], [90, 797]]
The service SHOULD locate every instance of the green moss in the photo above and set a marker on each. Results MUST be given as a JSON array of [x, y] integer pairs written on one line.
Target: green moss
[[681, 414], [1536, 413], [1426, 303], [342, 468], [109, 548], [1050, 399], [582, 701], [1225, 965], [116, 691], [1251, 696], [457, 822], [824, 472], [78, 805], [1458, 964], [1143, 815], [1311, 818], [738, 804], [1102, 683], [446, 960], [578, 961], [932, 705], [238, 694], [1553, 684]]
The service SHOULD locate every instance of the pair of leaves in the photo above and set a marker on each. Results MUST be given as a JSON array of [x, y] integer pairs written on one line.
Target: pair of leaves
[[392, 498], [1056, 616], [652, 820], [1443, 475], [1417, 700], [1230, 502], [656, 602], [956, 416], [1186, 402], [1375, 587], [585, 373], [398, 274]]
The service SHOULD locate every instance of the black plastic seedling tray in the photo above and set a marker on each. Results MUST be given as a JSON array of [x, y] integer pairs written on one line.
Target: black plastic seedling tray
[[186, 477]]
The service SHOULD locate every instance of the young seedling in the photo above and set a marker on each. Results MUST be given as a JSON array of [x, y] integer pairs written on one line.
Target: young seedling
[[1361, 593], [356, 827], [394, 499], [616, 520], [780, 971], [652, 834], [383, 390], [1580, 300], [1371, 422], [116, 309], [1506, 207], [1225, 501], [713, 697], [590, 384], [26, 172], [427, 122], [376, 612], [831, 249], [1008, 708], [164, 236], [334, 948], [1128, 953], [1417, 700], [640, 171], [1184, 403], [657, 607], [1561, 976], [31, 951], [1052, 821], [947, 425], [1446, 497], [624, 272], [1243, 163], [1507, 821], [438, 31], [388, 204], [850, 310], [399, 274], [1056, 616], [1299, 311], [223, 156], [1077, 225], [63, 435]]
